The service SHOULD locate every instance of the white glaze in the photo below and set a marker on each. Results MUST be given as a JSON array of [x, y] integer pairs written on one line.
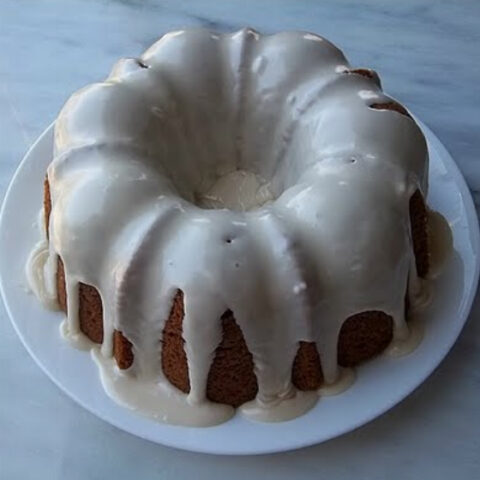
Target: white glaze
[[144, 398], [330, 235], [346, 377], [440, 243], [285, 407], [440, 247], [401, 347], [238, 190], [41, 280], [36, 277]]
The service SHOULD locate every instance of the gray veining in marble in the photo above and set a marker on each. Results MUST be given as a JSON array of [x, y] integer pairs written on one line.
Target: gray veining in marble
[[427, 55]]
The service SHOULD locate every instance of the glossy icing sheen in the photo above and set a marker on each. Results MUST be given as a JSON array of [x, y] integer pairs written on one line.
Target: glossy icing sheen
[[317, 186]]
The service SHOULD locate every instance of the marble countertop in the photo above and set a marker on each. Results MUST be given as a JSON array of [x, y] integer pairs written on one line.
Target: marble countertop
[[427, 55]]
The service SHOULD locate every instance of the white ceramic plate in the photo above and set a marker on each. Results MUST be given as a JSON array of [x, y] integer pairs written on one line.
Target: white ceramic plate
[[380, 384]]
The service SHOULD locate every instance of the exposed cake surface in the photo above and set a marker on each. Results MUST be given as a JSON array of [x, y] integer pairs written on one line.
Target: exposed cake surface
[[234, 219]]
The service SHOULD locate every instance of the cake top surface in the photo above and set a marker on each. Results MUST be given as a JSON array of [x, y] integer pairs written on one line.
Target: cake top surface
[[198, 106]]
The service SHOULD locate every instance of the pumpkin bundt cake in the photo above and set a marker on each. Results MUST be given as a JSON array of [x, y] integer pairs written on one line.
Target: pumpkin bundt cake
[[235, 220]]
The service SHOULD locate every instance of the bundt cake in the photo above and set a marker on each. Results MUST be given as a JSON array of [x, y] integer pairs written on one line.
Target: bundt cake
[[235, 220]]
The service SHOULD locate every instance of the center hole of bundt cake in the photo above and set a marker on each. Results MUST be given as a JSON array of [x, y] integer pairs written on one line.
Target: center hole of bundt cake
[[239, 191]]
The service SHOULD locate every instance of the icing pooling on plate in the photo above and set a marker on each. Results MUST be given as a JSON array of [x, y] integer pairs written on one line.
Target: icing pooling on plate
[[135, 157]]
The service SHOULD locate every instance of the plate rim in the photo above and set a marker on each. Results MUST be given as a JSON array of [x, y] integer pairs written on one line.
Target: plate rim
[[473, 225]]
